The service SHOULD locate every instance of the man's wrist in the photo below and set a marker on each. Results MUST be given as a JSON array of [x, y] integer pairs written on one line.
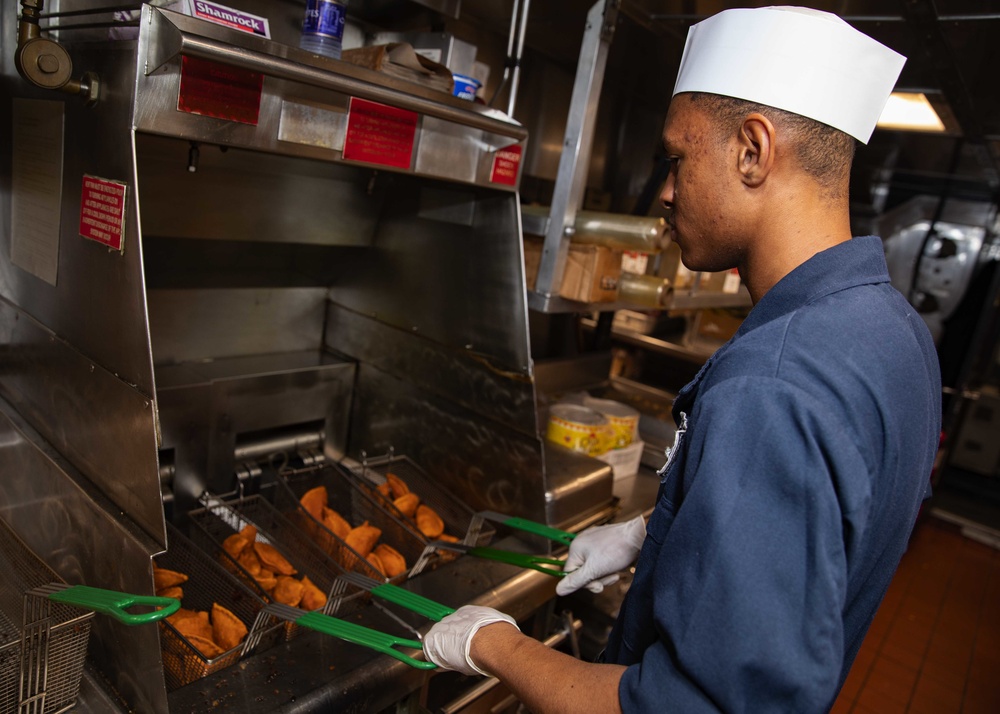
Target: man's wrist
[[492, 643]]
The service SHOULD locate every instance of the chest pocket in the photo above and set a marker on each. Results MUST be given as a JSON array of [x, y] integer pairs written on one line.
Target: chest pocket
[[667, 498]]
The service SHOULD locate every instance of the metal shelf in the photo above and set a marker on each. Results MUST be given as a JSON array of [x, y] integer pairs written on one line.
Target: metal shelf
[[677, 301]]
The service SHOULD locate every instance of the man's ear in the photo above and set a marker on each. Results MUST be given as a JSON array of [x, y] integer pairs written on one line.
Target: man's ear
[[756, 149]]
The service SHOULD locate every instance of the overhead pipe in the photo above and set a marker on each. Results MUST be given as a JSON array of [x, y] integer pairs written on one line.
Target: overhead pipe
[[44, 62]]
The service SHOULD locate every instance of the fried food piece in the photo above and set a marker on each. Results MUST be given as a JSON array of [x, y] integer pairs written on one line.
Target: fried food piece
[[407, 504], [363, 538], [312, 597], [314, 501], [396, 485], [447, 538], [376, 562], [249, 533], [429, 522], [227, 629], [173, 591], [288, 591], [336, 523], [163, 578], [197, 626], [273, 560], [250, 562], [266, 580], [181, 614], [393, 562], [384, 490], [235, 544], [206, 646]]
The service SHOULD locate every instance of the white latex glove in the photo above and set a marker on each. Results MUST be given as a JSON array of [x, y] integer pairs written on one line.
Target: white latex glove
[[598, 554], [448, 642]]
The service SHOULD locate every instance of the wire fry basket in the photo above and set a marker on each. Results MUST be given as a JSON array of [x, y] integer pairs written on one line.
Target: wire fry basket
[[457, 516], [208, 582], [353, 503], [41, 663], [219, 520]]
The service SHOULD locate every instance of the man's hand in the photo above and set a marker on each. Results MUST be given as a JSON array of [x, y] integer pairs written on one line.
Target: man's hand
[[447, 643], [598, 554]]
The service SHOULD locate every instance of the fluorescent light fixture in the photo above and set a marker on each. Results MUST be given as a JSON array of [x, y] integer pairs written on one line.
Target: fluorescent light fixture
[[910, 111]]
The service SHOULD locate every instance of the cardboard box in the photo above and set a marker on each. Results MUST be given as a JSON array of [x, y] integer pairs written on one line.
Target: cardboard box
[[591, 273], [682, 279]]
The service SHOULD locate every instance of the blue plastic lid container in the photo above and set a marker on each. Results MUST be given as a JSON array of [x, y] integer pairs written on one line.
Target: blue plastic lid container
[[466, 87]]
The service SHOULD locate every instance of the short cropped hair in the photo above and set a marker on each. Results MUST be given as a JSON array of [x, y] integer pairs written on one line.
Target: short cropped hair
[[823, 152]]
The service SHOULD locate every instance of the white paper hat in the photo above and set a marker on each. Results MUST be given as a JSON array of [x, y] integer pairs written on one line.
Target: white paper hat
[[804, 61]]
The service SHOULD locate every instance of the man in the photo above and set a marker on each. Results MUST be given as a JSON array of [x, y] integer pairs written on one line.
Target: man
[[804, 444]]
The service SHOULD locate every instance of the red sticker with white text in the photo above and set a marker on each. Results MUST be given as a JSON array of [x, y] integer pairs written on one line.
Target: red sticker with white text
[[102, 211], [219, 90], [506, 163], [380, 134]]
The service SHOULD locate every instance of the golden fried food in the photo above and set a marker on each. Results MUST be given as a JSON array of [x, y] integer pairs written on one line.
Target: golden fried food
[[266, 580], [249, 533], [227, 629], [173, 591], [271, 559], [163, 578], [312, 597], [363, 538], [336, 523], [407, 504], [376, 562], [429, 522], [235, 544], [384, 490], [250, 562], [396, 485], [314, 501], [181, 614], [205, 645], [288, 591], [447, 538], [393, 562], [198, 626]]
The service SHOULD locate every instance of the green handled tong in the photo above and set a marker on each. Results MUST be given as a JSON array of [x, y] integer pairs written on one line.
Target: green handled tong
[[400, 596], [549, 566], [350, 632], [523, 524], [110, 602]]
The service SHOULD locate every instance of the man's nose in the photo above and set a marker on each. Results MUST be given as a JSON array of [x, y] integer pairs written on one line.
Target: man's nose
[[667, 194]]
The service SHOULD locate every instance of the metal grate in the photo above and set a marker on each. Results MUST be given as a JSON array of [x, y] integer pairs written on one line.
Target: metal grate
[[216, 522], [64, 630], [456, 515], [356, 506], [209, 581]]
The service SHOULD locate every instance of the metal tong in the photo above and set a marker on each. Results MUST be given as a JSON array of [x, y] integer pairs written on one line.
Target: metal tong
[[347, 631], [549, 566]]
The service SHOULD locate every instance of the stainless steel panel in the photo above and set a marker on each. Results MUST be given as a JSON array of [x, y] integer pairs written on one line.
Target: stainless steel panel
[[97, 304], [104, 426], [576, 486], [208, 408], [85, 539], [456, 284], [190, 325], [464, 377], [483, 462], [249, 196]]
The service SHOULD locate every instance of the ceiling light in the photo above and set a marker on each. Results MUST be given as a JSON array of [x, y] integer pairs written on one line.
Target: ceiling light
[[910, 111]]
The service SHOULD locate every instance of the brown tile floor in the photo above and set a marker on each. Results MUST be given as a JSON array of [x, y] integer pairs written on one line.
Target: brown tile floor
[[934, 647]]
